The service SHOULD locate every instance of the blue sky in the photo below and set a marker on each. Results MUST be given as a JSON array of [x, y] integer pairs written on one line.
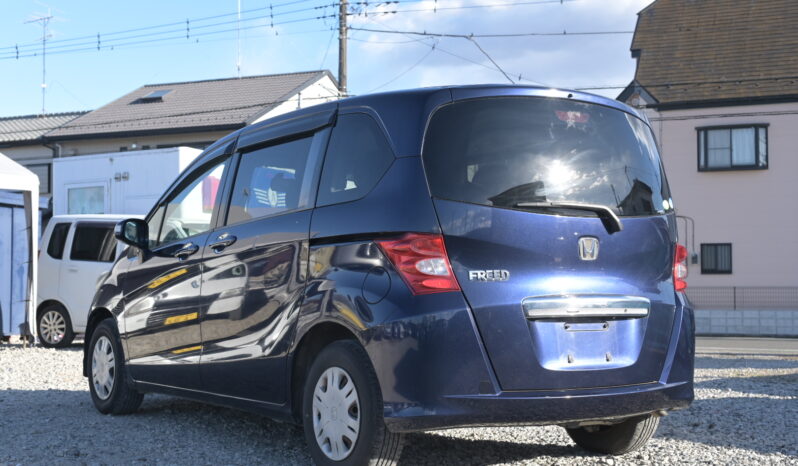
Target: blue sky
[[87, 79]]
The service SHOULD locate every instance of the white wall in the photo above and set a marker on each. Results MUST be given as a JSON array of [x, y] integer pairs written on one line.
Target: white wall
[[131, 182], [321, 91]]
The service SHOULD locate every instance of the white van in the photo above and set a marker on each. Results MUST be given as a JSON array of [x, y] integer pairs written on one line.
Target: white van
[[75, 250]]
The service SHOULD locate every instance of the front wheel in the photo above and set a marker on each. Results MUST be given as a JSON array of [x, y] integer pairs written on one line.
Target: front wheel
[[111, 389], [342, 410], [616, 439]]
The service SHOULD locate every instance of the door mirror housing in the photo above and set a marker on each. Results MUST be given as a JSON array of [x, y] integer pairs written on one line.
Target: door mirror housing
[[133, 232]]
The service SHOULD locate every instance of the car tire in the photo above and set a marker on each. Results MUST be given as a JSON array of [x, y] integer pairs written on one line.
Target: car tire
[[54, 327], [111, 389], [343, 375], [616, 439]]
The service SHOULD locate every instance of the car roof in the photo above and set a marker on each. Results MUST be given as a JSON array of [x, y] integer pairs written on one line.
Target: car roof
[[404, 113], [98, 217]]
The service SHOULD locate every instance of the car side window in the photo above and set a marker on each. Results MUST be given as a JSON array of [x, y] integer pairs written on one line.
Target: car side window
[[55, 248], [269, 181], [357, 157], [188, 212], [154, 226], [93, 242]]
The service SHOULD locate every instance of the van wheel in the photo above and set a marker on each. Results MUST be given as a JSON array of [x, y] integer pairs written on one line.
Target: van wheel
[[55, 327], [617, 439], [111, 390], [342, 410]]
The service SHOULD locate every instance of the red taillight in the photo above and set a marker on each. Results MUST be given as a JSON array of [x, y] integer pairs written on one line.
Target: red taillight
[[422, 262], [680, 268]]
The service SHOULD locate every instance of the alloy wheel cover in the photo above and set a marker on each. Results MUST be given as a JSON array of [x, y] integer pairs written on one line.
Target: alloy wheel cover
[[52, 327]]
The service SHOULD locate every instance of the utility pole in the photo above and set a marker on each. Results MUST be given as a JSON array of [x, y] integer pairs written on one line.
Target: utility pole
[[43, 20], [342, 46]]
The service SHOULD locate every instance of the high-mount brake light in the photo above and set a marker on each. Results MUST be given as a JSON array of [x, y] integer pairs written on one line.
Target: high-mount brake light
[[680, 268], [422, 262]]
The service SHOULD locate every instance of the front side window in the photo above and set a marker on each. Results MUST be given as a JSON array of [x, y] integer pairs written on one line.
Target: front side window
[[716, 258], [189, 211], [513, 152], [733, 148], [357, 157], [93, 242], [55, 248], [270, 181]]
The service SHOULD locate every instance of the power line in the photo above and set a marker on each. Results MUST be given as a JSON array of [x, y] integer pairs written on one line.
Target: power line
[[518, 34], [413, 66], [181, 24], [176, 37], [96, 40], [467, 7], [474, 41]]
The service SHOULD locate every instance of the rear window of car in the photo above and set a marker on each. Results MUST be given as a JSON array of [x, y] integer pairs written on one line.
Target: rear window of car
[[93, 242], [55, 248], [357, 157], [503, 152]]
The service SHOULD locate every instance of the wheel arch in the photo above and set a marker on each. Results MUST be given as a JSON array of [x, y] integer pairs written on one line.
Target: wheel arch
[[51, 302], [97, 315], [312, 342]]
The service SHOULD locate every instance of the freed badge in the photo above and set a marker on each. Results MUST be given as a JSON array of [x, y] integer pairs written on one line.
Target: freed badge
[[489, 275]]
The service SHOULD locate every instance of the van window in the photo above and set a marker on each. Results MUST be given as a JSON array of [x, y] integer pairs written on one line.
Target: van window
[[357, 157], [270, 181], [93, 242], [503, 152], [55, 248], [189, 211]]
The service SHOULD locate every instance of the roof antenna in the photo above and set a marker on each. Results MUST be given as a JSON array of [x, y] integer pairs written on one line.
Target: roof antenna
[[43, 20], [238, 37]]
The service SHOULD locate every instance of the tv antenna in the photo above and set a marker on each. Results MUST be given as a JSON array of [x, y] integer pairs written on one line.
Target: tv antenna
[[44, 21]]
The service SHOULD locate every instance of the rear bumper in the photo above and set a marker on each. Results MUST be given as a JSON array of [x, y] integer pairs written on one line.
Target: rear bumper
[[435, 374], [539, 408]]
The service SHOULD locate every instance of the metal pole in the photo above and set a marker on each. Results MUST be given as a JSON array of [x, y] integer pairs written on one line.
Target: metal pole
[[44, 20], [238, 39], [342, 46]]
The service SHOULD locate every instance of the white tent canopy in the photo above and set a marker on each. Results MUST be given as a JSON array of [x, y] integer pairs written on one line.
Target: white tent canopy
[[15, 177]]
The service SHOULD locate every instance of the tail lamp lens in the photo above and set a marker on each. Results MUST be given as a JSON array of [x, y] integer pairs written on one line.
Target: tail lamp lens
[[422, 262], [680, 268]]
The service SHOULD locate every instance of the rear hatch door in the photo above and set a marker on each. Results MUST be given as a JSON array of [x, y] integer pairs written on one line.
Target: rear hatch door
[[561, 299]]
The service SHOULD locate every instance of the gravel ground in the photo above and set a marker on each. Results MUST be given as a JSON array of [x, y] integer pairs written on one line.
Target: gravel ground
[[746, 412]]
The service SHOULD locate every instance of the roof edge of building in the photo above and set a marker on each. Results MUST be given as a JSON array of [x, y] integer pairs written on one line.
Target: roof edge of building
[[233, 78], [730, 102]]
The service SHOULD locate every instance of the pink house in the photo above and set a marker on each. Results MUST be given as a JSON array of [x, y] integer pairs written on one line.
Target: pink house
[[719, 82]]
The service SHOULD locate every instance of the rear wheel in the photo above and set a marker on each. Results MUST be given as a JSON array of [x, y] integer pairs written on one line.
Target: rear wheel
[[342, 410], [111, 389], [55, 327], [617, 439]]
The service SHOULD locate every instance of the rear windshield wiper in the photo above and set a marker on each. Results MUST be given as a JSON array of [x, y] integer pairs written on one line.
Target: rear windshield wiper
[[611, 221]]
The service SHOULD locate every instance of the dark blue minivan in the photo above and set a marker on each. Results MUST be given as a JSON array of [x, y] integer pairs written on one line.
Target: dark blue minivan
[[408, 261]]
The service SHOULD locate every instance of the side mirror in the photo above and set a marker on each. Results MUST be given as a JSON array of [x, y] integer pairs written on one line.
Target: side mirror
[[133, 231]]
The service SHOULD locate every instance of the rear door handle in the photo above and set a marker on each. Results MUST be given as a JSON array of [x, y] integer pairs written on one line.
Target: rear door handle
[[185, 251], [224, 240]]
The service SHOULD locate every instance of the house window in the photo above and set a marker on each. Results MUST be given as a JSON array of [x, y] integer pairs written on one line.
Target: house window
[[86, 200], [42, 170], [733, 148], [716, 258]]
